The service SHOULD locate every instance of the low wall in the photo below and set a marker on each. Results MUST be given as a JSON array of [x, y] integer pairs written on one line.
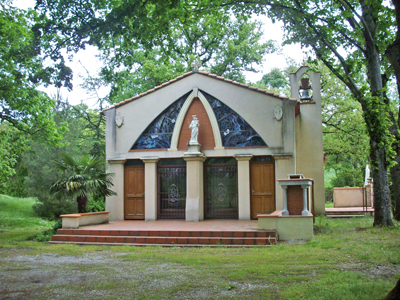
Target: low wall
[[77, 220], [295, 227], [349, 197]]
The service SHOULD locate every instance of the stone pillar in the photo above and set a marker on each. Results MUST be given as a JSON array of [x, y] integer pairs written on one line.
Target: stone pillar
[[194, 187], [305, 211], [150, 188], [115, 204], [244, 185], [285, 211]]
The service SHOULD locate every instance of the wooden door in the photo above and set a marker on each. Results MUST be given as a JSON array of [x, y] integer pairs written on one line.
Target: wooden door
[[262, 184], [134, 193]]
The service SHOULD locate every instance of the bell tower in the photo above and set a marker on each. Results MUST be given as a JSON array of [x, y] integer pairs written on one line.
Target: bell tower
[[306, 87]]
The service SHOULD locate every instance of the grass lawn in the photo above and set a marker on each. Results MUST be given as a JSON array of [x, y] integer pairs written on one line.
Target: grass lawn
[[347, 259]]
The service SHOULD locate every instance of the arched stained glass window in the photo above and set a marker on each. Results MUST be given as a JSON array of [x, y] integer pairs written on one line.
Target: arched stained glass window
[[158, 134], [235, 131]]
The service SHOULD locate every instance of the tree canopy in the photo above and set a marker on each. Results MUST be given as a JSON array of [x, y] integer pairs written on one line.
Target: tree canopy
[[22, 70]]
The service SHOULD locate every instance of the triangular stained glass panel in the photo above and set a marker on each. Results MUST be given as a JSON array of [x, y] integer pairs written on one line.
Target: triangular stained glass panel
[[235, 131], [158, 134]]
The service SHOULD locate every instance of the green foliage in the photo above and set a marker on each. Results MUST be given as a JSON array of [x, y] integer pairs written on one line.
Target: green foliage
[[96, 203], [12, 144], [82, 177], [37, 161], [275, 79], [346, 142], [224, 47], [46, 235], [146, 44], [50, 207], [22, 71]]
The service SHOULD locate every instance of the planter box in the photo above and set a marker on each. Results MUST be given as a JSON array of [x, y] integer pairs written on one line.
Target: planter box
[[77, 220], [295, 227]]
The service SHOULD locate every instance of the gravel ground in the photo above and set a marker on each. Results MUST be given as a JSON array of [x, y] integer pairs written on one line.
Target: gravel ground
[[110, 275]]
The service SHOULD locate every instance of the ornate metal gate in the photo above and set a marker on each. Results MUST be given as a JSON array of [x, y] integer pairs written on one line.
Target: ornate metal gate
[[221, 188], [171, 189]]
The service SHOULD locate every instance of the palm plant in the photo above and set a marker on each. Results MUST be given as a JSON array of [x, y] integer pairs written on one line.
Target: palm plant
[[82, 177]]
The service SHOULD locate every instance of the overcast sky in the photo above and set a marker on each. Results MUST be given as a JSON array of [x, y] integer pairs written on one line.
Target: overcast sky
[[88, 59]]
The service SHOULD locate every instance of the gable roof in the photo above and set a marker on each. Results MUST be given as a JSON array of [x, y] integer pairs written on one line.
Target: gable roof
[[202, 73]]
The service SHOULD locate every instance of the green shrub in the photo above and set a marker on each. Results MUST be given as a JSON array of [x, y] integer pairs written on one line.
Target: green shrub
[[50, 207], [96, 203], [328, 195], [46, 235]]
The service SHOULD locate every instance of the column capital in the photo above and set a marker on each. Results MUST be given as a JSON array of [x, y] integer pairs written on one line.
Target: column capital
[[201, 158], [279, 156], [243, 157], [116, 161], [150, 159]]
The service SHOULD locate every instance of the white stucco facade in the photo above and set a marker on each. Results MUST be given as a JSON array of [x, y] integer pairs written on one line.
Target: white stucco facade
[[294, 143]]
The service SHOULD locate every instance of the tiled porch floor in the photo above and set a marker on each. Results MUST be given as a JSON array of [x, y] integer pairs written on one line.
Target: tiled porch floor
[[181, 225]]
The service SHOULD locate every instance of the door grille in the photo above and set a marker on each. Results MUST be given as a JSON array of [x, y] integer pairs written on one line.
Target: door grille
[[221, 192], [171, 192]]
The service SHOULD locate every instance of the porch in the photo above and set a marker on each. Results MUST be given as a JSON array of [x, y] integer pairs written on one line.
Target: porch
[[170, 233]]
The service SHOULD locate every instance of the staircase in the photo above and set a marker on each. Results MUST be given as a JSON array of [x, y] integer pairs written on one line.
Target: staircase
[[348, 212], [166, 238]]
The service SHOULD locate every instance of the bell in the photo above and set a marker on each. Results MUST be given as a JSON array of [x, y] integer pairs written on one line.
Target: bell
[[305, 95]]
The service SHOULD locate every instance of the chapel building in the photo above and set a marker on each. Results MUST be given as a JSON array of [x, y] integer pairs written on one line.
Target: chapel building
[[201, 146]]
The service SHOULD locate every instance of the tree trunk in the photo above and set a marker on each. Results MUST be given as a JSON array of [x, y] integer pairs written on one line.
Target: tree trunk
[[395, 174], [393, 55], [395, 171], [395, 293], [381, 187], [82, 201], [375, 116]]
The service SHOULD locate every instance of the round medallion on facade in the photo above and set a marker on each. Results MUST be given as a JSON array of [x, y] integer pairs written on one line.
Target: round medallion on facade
[[119, 119], [278, 113], [221, 192]]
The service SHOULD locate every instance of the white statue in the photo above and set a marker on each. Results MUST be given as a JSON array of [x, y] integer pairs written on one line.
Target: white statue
[[195, 130]]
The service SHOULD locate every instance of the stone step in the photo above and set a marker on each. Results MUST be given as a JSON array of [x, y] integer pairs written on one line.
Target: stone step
[[345, 216], [171, 233], [156, 245], [170, 240]]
